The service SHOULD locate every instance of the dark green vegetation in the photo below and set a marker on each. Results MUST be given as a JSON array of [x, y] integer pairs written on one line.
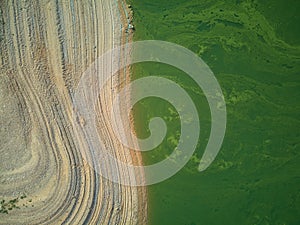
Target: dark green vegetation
[[6, 206], [253, 48]]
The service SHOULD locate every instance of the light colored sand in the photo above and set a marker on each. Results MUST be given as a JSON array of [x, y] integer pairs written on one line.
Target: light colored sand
[[45, 48]]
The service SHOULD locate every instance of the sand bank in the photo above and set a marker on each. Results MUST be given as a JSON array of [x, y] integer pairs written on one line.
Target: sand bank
[[45, 48]]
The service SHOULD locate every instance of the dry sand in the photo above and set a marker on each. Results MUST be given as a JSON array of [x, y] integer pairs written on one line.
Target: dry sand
[[45, 47]]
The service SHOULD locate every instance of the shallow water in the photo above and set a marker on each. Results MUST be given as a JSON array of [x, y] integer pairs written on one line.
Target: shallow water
[[253, 48]]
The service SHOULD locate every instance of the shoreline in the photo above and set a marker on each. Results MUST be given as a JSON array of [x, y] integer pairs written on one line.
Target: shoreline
[[127, 18]]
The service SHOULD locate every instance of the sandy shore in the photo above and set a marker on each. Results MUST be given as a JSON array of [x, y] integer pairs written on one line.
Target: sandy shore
[[45, 48]]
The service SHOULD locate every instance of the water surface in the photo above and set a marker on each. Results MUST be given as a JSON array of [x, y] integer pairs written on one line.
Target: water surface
[[253, 48]]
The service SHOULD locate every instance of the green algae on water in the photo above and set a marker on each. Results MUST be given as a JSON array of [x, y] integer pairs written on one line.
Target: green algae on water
[[253, 48]]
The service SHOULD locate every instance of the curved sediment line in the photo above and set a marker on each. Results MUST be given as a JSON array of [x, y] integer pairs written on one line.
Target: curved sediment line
[[45, 48]]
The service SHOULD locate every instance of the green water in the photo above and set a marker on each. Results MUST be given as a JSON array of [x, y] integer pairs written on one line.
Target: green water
[[253, 48]]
